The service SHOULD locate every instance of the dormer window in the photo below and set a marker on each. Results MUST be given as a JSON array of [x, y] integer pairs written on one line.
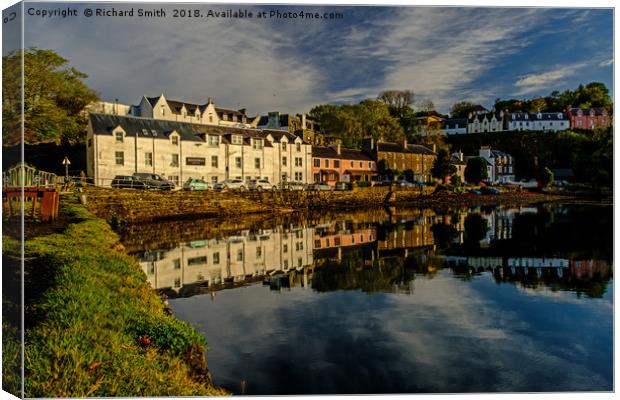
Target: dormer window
[[163, 110], [145, 132], [257, 144], [539, 116], [119, 137], [284, 146], [214, 140], [175, 140], [560, 115], [237, 139], [298, 147], [154, 132], [525, 116]]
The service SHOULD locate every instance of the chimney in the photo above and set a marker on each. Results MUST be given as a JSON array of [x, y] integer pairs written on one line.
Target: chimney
[[303, 121], [404, 143], [434, 148], [459, 155], [338, 148], [242, 111]]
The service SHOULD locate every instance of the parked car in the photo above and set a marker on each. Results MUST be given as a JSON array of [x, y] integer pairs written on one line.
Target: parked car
[[489, 190], [293, 186], [231, 184], [154, 181], [261, 184], [343, 186], [320, 187], [127, 182], [406, 183], [474, 191], [196, 184]]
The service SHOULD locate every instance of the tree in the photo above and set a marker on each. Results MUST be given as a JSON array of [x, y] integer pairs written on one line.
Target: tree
[[538, 105], [442, 166], [399, 104], [462, 109], [54, 98], [476, 170], [425, 106]]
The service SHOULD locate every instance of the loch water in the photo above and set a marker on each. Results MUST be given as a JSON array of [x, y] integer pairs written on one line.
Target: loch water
[[495, 299]]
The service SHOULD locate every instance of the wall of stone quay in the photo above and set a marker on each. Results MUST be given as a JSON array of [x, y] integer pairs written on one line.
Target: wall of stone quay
[[138, 205]]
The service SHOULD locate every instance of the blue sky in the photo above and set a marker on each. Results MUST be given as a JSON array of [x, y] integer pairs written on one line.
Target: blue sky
[[445, 54]]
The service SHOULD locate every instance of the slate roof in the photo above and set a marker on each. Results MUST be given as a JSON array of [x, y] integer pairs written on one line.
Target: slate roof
[[455, 123], [103, 124], [547, 116], [391, 147], [489, 116], [419, 149], [598, 111], [456, 160], [345, 154], [176, 107]]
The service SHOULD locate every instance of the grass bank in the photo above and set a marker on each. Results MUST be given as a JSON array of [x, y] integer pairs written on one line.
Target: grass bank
[[94, 327]]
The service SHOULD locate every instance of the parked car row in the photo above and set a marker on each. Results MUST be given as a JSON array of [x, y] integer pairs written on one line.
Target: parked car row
[[142, 180]]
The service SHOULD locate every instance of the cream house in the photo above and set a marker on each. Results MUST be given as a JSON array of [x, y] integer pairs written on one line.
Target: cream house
[[485, 122], [162, 108], [122, 145]]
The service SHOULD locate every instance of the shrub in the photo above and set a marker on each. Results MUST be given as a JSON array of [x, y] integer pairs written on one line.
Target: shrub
[[168, 334]]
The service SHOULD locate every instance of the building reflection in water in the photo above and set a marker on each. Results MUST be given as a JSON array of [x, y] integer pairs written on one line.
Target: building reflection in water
[[290, 256]]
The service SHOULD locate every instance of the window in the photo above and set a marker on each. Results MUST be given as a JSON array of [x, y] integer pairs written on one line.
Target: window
[[175, 140], [240, 255], [285, 265], [214, 179], [370, 164], [327, 242], [177, 282], [214, 161], [119, 137], [216, 257], [257, 144], [257, 163], [210, 118], [120, 158], [298, 176], [336, 163], [175, 160], [326, 163], [152, 268], [237, 139], [284, 161], [148, 159], [298, 161], [337, 241], [352, 164], [238, 162], [259, 251], [283, 146], [163, 110], [361, 164], [317, 244], [317, 163], [298, 147], [177, 263], [285, 248], [196, 261], [214, 140]]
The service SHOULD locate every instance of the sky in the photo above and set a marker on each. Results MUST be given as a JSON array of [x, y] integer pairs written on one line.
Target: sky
[[445, 54]]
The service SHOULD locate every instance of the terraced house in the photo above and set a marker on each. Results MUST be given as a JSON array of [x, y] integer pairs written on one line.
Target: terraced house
[[486, 122], [548, 121], [401, 157], [335, 163], [122, 145], [596, 117]]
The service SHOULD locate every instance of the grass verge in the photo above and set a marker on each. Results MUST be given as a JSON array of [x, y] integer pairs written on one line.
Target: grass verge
[[94, 327]]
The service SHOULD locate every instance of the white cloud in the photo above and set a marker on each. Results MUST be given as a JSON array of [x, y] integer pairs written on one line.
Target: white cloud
[[536, 82], [606, 63]]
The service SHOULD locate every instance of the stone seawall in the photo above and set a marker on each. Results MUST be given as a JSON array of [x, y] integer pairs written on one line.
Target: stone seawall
[[137, 205]]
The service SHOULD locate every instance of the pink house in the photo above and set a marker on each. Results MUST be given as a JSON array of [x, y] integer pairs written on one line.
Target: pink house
[[334, 164]]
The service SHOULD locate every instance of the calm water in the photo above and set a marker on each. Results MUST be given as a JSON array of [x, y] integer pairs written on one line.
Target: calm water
[[481, 300]]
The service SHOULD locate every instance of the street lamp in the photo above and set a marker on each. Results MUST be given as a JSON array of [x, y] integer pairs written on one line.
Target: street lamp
[[66, 163]]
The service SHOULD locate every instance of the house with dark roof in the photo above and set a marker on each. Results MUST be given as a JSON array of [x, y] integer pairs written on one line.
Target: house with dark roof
[[123, 145], [592, 118], [455, 126], [485, 122], [332, 164], [298, 124], [547, 121], [500, 165], [161, 108], [401, 157]]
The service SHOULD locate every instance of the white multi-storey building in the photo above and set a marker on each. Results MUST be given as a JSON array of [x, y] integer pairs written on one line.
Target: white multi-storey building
[[122, 145]]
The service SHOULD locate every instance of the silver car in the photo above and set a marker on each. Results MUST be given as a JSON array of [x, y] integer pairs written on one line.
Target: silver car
[[231, 184], [261, 184]]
